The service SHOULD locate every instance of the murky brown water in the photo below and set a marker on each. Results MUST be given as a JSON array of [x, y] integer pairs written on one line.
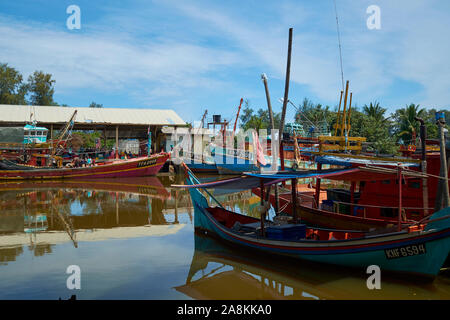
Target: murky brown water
[[134, 239]]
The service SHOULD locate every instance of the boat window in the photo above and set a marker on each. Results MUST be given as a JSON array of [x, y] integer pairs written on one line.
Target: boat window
[[388, 212], [386, 182], [414, 184]]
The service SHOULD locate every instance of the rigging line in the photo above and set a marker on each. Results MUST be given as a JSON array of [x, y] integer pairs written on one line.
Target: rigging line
[[339, 40]]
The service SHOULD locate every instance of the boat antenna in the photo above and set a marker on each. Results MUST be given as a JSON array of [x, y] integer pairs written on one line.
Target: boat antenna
[[339, 40]]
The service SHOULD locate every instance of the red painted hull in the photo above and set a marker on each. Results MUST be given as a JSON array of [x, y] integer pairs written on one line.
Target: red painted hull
[[148, 186], [326, 219], [138, 167]]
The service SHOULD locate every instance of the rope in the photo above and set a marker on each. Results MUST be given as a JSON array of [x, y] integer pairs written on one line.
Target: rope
[[191, 175], [427, 174], [374, 206], [339, 40]]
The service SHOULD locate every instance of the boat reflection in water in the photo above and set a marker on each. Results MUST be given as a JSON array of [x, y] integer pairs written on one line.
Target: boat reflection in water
[[43, 213], [222, 271]]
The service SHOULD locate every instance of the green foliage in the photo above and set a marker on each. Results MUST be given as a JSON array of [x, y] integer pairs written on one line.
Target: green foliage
[[374, 111], [87, 140], [260, 120], [406, 126], [41, 89], [95, 105], [12, 88], [383, 133]]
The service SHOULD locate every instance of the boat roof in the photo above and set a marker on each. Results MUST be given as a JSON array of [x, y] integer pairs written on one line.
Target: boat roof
[[33, 127], [349, 161], [250, 180]]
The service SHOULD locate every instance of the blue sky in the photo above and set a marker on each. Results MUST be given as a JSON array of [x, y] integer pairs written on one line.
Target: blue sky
[[195, 55]]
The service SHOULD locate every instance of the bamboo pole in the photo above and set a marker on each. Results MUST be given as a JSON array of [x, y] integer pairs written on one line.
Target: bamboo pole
[[272, 126], [338, 115], [423, 137], [349, 114], [269, 103], [344, 110], [442, 196], [286, 85]]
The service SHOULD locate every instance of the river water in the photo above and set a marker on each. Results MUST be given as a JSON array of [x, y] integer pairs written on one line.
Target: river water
[[135, 239]]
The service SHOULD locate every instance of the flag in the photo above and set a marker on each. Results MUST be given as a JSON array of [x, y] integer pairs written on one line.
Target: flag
[[259, 150]]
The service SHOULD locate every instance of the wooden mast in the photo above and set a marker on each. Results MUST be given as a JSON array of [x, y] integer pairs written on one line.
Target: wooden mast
[[286, 85]]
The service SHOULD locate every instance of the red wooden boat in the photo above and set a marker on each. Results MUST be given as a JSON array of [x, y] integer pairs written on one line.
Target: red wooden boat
[[137, 167], [374, 205], [327, 219]]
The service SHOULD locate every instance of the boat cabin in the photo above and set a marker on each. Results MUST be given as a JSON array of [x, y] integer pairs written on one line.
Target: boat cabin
[[33, 134]]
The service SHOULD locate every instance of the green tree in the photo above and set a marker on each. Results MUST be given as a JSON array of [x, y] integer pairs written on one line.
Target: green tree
[[246, 113], [376, 130], [259, 120], [41, 89], [12, 89], [374, 111], [316, 115], [95, 105], [407, 126]]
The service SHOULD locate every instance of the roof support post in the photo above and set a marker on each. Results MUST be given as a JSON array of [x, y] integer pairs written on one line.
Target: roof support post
[[352, 196], [117, 142], [294, 198], [317, 194], [400, 209], [263, 213]]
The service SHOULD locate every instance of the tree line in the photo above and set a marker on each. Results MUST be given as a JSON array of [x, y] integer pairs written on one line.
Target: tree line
[[383, 132], [37, 90]]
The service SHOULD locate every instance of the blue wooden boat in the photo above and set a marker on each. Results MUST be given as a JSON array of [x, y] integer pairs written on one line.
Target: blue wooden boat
[[236, 162], [418, 250], [227, 164], [203, 167]]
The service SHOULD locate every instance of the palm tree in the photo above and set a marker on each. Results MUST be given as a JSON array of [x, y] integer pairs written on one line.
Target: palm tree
[[375, 111], [408, 126]]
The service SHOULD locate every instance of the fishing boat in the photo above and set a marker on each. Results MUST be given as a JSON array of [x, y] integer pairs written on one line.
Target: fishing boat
[[372, 199], [420, 249], [136, 167]]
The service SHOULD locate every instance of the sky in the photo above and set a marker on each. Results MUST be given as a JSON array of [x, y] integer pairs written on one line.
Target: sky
[[192, 56]]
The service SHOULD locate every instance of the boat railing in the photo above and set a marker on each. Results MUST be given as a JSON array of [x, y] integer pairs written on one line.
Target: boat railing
[[240, 153], [364, 206]]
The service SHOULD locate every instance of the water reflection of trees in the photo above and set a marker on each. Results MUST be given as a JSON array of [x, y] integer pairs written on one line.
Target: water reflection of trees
[[10, 254], [72, 206]]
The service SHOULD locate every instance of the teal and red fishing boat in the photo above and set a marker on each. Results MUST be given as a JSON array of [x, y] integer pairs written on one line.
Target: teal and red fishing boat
[[136, 167], [419, 249]]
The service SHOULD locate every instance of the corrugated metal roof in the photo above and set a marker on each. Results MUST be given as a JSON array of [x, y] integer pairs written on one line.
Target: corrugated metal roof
[[119, 116]]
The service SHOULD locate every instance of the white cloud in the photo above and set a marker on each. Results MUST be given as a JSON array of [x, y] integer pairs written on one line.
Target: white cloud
[[109, 61], [196, 41], [412, 45]]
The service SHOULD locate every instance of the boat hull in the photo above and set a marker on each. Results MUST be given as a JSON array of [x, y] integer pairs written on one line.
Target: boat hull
[[379, 250], [202, 167], [326, 219], [138, 167], [227, 164]]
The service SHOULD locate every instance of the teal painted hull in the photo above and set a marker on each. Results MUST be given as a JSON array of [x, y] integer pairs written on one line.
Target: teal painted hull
[[357, 253]]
